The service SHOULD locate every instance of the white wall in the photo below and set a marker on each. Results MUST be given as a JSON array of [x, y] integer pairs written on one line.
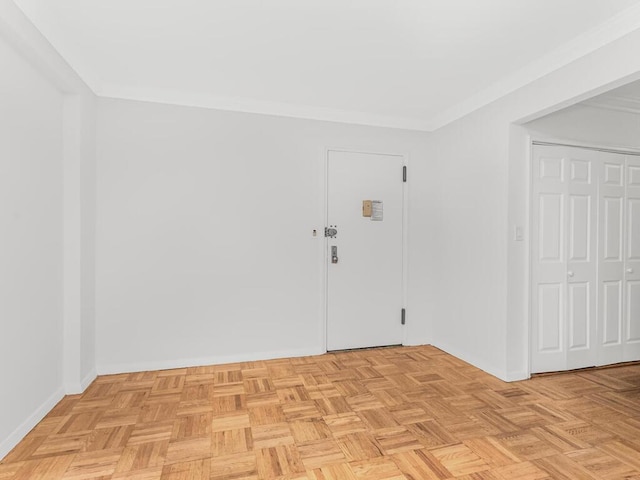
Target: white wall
[[204, 220], [47, 203], [31, 213], [79, 240], [468, 279], [87, 179], [480, 299], [468, 317]]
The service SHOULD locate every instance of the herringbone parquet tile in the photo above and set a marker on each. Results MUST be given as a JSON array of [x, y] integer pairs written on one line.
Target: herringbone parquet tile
[[383, 414]]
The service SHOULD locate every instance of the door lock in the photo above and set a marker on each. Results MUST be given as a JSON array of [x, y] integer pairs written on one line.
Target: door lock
[[334, 254], [330, 232]]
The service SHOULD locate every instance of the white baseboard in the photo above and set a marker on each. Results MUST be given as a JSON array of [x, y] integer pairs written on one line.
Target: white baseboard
[[475, 361], [517, 376], [89, 377], [416, 342], [514, 376], [114, 368], [75, 388], [25, 427]]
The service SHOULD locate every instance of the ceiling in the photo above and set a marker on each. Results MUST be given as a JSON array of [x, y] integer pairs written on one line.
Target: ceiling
[[401, 63], [625, 99]]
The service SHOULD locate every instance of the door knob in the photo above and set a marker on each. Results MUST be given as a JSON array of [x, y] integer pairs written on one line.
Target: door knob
[[629, 270], [570, 273]]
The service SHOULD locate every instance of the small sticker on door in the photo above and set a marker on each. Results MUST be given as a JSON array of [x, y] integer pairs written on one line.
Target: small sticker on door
[[366, 208], [376, 210]]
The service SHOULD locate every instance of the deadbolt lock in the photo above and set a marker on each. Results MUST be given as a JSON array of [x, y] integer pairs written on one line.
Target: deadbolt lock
[[330, 232]]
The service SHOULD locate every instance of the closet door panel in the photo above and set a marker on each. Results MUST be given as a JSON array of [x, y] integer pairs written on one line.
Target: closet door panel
[[632, 261], [611, 311], [563, 257], [581, 240], [548, 256]]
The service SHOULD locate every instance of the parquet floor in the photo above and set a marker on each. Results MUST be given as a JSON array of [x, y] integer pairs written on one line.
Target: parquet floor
[[382, 414]]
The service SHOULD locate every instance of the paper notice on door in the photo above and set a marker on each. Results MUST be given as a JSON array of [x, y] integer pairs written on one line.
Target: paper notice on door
[[376, 211], [366, 208]]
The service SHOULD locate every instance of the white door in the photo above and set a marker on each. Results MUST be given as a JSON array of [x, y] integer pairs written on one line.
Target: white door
[[619, 256], [632, 261], [563, 258], [364, 279], [611, 259], [585, 258]]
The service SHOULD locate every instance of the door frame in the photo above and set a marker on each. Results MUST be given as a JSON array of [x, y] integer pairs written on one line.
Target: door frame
[[532, 140], [324, 259]]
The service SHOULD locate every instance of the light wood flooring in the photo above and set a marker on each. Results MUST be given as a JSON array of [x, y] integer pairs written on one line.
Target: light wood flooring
[[381, 414]]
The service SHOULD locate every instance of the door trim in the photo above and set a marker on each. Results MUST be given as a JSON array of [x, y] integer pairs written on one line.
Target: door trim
[[534, 139], [324, 270], [584, 147]]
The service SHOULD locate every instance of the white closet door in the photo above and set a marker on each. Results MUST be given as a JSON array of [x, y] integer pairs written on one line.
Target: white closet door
[[582, 221], [563, 258], [585, 258], [611, 259], [548, 261], [631, 329]]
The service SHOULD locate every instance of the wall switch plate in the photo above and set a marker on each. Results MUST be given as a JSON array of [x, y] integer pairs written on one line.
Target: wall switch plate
[[518, 234]]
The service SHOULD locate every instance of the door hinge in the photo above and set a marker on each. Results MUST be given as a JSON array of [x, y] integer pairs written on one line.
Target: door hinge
[[404, 174], [403, 316]]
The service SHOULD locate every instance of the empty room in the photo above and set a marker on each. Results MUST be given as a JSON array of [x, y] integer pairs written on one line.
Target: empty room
[[320, 239]]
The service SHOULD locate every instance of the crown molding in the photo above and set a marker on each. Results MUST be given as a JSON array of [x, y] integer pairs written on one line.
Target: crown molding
[[618, 103], [248, 105]]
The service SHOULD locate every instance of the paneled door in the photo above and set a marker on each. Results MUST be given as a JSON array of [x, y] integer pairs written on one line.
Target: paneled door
[[364, 254], [620, 259], [563, 258], [611, 259], [585, 258], [632, 261]]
